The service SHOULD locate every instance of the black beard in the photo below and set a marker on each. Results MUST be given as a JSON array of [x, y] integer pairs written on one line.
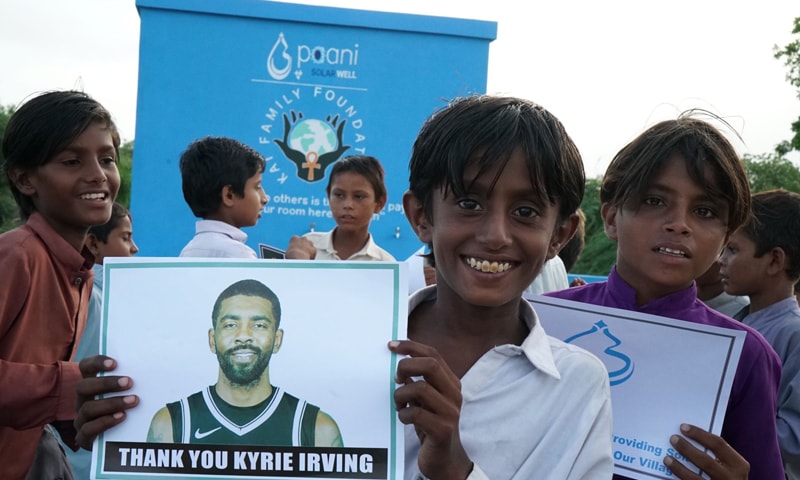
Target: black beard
[[243, 375]]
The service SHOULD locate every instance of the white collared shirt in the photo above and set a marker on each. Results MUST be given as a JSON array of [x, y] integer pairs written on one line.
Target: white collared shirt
[[539, 410], [552, 277], [215, 239], [323, 241]]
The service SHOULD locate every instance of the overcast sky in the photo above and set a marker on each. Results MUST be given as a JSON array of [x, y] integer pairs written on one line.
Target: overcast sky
[[606, 69]]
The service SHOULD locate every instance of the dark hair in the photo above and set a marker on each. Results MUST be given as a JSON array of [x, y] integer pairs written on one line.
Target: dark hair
[[248, 288], [572, 250], [775, 222], [368, 167], [210, 164], [118, 212], [486, 130], [701, 145], [44, 126]]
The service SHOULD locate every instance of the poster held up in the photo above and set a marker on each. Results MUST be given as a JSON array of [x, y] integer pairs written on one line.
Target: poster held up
[[230, 387]]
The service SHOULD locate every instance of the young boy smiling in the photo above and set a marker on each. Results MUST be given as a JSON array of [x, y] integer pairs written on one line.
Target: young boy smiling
[[484, 392], [61, 151]]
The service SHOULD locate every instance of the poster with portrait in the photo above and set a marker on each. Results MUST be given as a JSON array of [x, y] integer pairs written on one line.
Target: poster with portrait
[[232, 387], [662, 371]]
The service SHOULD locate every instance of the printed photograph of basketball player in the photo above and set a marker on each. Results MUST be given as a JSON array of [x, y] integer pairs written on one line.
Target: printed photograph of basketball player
[[243, 407]]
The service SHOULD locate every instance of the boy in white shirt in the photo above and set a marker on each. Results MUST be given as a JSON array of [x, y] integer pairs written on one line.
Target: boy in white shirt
[[222, 185]]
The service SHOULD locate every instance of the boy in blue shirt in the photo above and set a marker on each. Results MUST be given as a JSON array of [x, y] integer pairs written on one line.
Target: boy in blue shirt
[[762, 260]]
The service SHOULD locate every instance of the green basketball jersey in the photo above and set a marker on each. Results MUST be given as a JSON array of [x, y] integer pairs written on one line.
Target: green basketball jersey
[[280, 420]]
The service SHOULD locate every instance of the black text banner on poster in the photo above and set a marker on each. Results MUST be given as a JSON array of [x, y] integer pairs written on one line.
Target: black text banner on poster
[[246, 461]]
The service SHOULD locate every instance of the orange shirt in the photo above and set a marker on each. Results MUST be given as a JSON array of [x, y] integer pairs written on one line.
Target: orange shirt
[[45, 285]]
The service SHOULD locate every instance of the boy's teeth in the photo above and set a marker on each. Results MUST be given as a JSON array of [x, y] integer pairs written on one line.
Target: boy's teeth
[[93, 196], [487, 266], [672, 251]]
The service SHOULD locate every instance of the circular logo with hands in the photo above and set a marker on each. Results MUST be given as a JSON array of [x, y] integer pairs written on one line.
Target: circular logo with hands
[[312, 144]]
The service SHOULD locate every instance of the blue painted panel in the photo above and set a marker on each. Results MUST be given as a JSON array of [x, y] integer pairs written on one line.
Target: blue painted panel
[[243, 68]]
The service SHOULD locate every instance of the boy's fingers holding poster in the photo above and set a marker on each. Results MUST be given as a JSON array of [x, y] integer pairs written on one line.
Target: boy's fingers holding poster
[[91, 385], [91, 366], [429, 397], [425, 362], [90, 422], [419, 403], [726, 464], [98, 415]]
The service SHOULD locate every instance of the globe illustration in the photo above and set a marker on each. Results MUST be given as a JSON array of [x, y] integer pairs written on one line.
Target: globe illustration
[[313, 135]]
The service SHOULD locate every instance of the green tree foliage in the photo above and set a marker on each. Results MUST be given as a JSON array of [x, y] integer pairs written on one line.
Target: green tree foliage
[[771, 170], [790, 55], [125, 165], [9, 214], [600, 252]]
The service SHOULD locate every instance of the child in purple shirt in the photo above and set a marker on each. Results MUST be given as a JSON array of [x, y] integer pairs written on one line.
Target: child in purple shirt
[[670, 199]]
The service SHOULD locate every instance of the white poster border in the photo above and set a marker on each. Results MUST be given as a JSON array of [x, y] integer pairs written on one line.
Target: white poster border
[[357, 308], [696, 391]]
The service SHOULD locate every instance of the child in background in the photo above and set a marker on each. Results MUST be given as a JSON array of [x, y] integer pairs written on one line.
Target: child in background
[[356, 191], [61, 150], [553, 275], [222, 185], [670, 199], [762, 260], [495, 182], [112, 239], [571, 252], [711, 291]]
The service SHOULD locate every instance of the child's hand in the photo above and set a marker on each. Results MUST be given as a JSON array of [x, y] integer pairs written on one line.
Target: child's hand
[[728, 465], [95, 416], [577, 282], [300, 248], [432, 404]]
